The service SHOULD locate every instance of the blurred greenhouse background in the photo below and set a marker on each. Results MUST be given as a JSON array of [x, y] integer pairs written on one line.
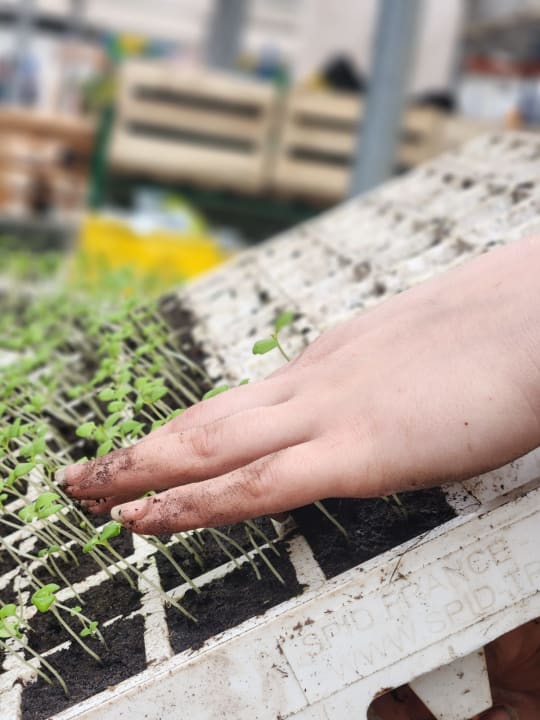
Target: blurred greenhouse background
[[150, 140]]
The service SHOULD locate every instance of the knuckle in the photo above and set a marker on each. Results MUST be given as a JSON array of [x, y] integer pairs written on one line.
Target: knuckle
[[204, 441], [257, 480], [206, 509]]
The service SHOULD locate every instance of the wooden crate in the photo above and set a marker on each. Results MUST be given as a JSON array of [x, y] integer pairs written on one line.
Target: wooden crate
[[319, 137], [54, 149], [203, 127], [74, 131], [318, 141], [420, 133]]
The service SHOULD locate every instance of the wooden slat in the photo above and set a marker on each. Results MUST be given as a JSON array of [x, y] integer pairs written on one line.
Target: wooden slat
[[326, 105], [322, 123], [323, 140], [219, 86], [326, 124], [205, 149], [170, 117], [75, 131], [306, 179], [171, 160], [420, 135]]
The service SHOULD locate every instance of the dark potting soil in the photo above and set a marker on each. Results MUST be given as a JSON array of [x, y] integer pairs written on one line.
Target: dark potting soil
[[83, 675], [180, 319], [6, 529], [79, 447], [8, 595], [211, 555], [103, 602], [7, 563], [20, 486], [373, 526], [123, 544], [230, 600]]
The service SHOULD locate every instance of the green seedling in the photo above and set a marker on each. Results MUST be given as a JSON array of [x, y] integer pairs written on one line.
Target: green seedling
[[107, 533], [47, 555], [45, 506], [111, 530], [86, 430], [11, 628], [44, 600], [261, 347]]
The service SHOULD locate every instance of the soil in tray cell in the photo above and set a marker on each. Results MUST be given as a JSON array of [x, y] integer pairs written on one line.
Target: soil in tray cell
[[8, 595], [181, 320], [373, 526], [227, 602], [103, 602], [7, 563], [83, 675], [87, 566], [211, 554]]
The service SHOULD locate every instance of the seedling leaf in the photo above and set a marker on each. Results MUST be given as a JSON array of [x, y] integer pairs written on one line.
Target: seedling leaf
[[86, 430], [107, 394], [104, 448], [43, 598], [27, 513], [284, 319], [90, 545], [8, 610], [216, 391], [110, 530], [261, 347]]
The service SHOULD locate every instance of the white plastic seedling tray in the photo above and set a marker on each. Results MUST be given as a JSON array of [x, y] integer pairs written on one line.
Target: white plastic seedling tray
[[433, 602], [421, 612]]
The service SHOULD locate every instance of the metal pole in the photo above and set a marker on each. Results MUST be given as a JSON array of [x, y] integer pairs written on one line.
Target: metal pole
[[392, 57], [22, 37], [225, 33], [76, 20]]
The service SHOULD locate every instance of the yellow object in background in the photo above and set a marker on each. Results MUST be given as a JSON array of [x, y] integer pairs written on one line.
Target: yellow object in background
[[168, 256]]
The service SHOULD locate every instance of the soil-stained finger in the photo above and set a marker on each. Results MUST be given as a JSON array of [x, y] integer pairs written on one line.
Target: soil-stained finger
[[190, 455], [275, 483]]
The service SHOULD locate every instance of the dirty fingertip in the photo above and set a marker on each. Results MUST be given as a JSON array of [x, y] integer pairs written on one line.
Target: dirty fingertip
[[60, 477], [130, 512], [68, 474]]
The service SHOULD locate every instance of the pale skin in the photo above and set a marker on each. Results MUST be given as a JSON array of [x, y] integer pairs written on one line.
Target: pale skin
[[439, 383]]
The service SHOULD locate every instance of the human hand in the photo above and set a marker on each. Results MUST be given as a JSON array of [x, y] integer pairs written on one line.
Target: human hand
[[513, 662], [439, 383]]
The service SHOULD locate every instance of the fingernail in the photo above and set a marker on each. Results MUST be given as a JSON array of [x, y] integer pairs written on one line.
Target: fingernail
[[130, 511], [61, 477]]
